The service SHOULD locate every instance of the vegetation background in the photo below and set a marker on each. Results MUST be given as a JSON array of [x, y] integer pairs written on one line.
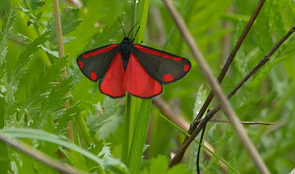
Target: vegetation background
[[33, 93]]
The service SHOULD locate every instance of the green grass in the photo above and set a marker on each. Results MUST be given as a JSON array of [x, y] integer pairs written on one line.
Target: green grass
[[128, 135]]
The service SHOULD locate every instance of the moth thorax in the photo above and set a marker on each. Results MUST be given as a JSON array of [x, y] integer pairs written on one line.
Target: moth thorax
[[125, 59]]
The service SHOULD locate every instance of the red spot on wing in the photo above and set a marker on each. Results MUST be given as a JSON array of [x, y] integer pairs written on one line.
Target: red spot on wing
[[112, 83], [93, 76], [186, 68], [80, 64], [102, 50], [158, 53], [168, 77], [137, 82]]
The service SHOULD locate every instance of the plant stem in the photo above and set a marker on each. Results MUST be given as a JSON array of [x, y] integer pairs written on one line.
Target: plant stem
[[138, 140]]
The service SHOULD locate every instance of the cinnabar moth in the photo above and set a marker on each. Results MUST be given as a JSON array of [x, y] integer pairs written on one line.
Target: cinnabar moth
[[140, 70]]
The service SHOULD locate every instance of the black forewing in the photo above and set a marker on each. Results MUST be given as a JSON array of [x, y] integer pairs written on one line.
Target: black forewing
[[98, 63], [158, 64]]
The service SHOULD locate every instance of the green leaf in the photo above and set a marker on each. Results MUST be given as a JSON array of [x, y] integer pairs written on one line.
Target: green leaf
[[180, 168], [69, 19], [69, 22], [64, 119], [5, 32], [207, 14], [109, 162], [43, 85], [262, 32], [213, 153], [200, 99], [277, 23], [27, 53], [57, 98], [89, 27], [23, 161], [138, 139], [68, 39], [76, 159], [36, 4], [53, 53], [102, 115], [48, 137], [159, 165]]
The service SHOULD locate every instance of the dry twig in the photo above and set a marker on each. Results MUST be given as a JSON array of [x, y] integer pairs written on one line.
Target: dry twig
[[40, 156], [216, 90]]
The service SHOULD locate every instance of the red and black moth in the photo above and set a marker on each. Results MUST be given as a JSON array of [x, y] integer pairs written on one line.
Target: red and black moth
[[140, 70]]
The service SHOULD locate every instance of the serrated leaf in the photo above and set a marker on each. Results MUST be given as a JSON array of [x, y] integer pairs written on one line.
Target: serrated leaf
[[69, 19], [57, 98], [200, 99], [26, 54], [110, 126], [109, 162], [43, 84], [289, 66], [40, 92], [180, 168], [21, 8], [159, 165], [33, 18], [102, 115], [25, 163], [5, 32], [76, 159], [68, 39], [262, 32], [276, 22], [25, 38], [69, 22], [263, 72], [66, 117], [53, 53], [207, 14], [36, 4]]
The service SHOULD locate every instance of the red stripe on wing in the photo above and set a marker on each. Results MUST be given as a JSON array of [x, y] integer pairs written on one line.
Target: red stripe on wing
[[112, 83], [102, 50], [150, 51], [137, 82]]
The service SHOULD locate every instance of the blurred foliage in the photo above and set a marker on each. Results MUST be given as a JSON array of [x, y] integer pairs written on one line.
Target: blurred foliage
[[32, 92]]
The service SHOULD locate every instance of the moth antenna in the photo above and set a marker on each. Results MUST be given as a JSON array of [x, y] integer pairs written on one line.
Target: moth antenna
[[136, 33], [122, 26], [132, 28]]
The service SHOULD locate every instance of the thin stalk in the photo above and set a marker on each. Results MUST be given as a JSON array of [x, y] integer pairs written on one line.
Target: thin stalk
[[136, 117], [61, 54], [130, 106], [40, 156], [84, 129], [127, 130], [133, 17], [248, 26], [143, 9], [139, 136], [196, 141], [227, 64], [226, 106], [174, 26]]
